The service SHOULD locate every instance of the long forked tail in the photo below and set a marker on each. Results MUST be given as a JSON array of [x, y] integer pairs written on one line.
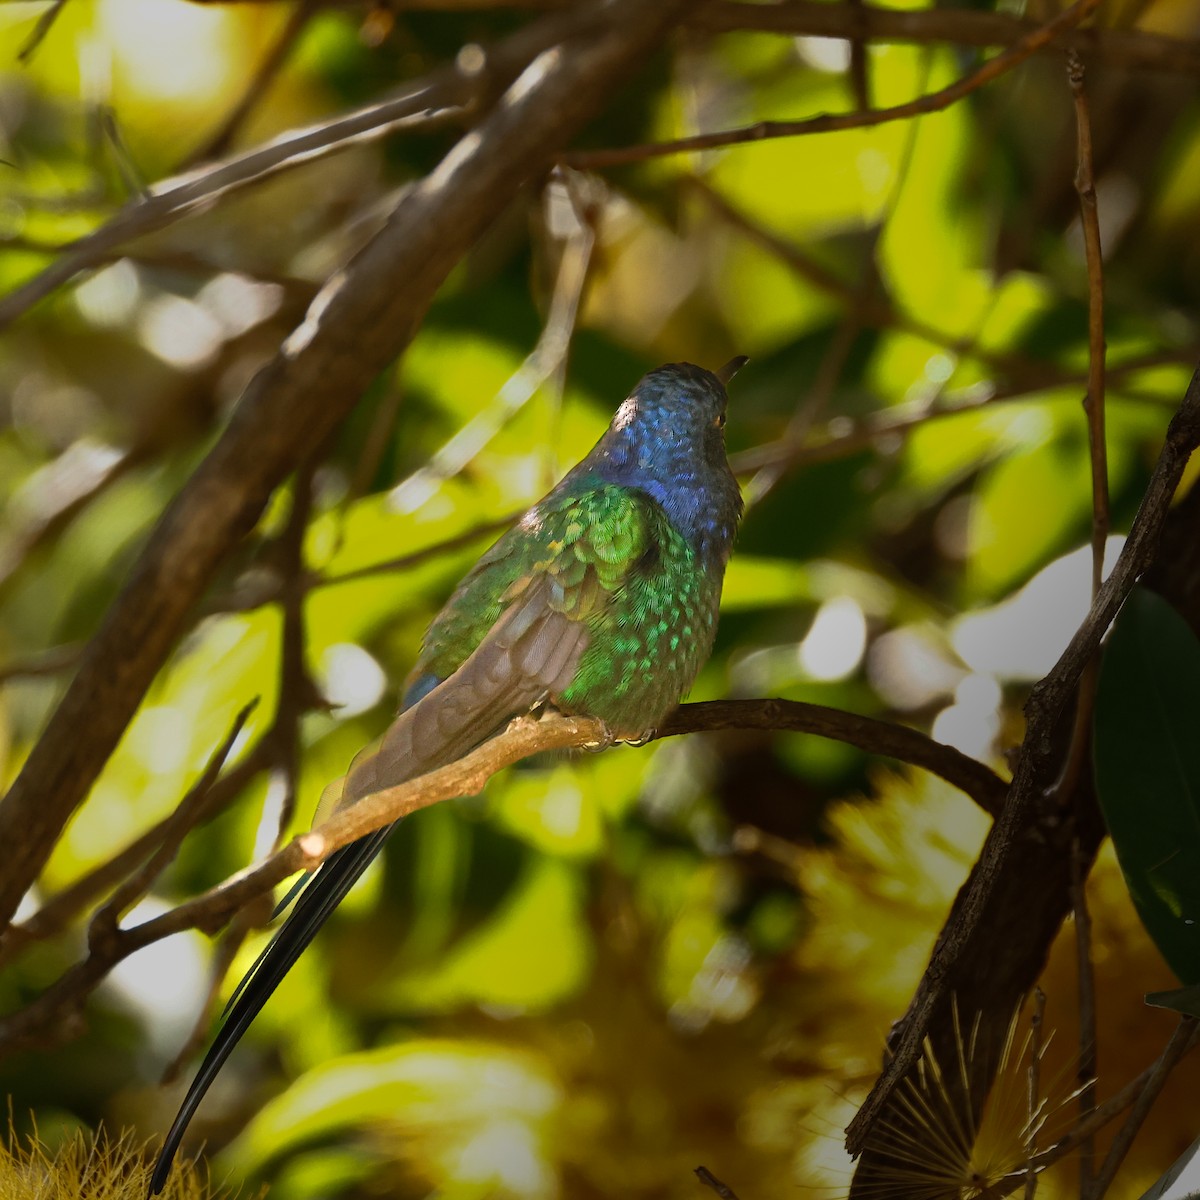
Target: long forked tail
[[323, 893], [531, 652]]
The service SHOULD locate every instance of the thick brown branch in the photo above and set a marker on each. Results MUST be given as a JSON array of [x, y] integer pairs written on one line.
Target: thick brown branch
[[1022, 868], [358, 324]]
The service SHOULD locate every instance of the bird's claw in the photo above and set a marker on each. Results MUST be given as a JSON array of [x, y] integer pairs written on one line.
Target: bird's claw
[[606, 739], [640, 739]]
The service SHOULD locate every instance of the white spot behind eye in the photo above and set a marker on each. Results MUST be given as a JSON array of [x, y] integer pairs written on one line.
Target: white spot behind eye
[[626, 413]]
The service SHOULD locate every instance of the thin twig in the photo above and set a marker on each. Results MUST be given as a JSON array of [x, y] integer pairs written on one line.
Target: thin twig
[[259, 84], [1186, 1035], [709, 1180], [1126, 47], [298, 693], [59, 492], [1085, 186], [44, 24], [374, 446], [52, 661], [254, 914], [887, 427], [1132, 1093], [180, 823], [1037, 1047], [542, 363], [416, 558], [131, 174], [875, 308], [860, 81], [1032, 42], [1086, 971]]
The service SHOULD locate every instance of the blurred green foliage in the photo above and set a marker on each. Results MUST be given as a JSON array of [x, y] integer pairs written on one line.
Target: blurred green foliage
[[605, 970]]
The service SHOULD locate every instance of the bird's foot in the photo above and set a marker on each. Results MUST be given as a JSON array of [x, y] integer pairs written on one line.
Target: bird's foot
[[606, 739], [640, 739]]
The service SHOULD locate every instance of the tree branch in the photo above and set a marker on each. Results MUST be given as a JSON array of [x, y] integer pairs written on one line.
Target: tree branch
[[1037, 39], [883, 738], [358, 323], [1026, 850], [1133, 48], [524, 737], [444, 97]]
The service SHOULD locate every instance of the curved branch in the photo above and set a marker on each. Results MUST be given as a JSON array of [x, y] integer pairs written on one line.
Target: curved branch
[[107, 945], [870, 734], [1038, 39], [1133, 48]]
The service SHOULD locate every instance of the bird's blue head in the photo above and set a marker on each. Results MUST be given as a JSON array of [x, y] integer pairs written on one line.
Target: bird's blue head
[[668, 438]]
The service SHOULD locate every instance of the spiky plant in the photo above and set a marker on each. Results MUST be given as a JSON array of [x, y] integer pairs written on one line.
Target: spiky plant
[[93, 1167]]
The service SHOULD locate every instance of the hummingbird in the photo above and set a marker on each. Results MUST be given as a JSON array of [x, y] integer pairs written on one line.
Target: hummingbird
[[600, 601]]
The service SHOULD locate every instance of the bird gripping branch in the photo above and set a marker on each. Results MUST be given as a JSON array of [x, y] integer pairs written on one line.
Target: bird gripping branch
[[602, 601]]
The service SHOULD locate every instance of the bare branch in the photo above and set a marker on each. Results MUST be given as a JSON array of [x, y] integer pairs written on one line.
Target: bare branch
[[883, 738], [1032, 42], [1021, 841], [358, 324], [1133, 48]]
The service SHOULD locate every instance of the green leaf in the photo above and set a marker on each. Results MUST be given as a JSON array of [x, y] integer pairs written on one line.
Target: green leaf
[[1147, 757]]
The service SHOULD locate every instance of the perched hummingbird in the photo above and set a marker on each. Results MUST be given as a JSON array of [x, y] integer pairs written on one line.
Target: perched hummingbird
[[601, 600]]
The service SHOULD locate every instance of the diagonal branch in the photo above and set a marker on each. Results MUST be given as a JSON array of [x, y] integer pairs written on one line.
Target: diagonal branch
[[358, 323], [445, 97], [1031, 43], [1027, 847]]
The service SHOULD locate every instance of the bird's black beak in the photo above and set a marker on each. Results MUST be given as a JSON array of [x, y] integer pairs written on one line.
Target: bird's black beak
[[731, 368]]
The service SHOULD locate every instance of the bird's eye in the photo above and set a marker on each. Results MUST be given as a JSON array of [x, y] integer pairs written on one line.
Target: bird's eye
[[720, 421]]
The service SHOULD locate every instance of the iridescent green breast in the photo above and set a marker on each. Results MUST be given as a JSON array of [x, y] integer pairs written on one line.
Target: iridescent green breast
[[649, 642], [614, 562]]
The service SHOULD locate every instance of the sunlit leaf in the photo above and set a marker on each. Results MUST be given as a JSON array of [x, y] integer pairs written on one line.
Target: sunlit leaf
[[446, 1102], [531, 952]]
